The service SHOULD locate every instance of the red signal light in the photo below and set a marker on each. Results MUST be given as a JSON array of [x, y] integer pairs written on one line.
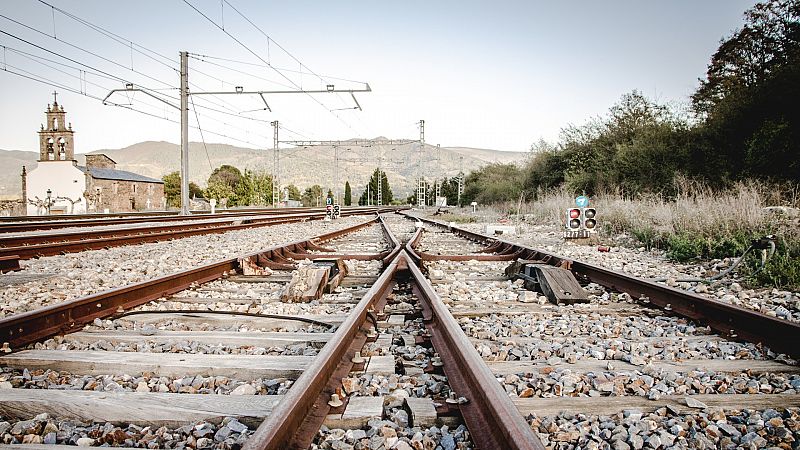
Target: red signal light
[[574, 213]]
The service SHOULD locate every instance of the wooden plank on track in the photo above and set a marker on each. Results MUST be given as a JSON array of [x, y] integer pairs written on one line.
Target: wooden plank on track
[[357, 413], [233, 338], [459, 309], [350, 280], [593, 365], [236, 321], [211, 301], [522, 340], [380, 365], [159, 364], [423, 412], [140, 408], [612, 405]]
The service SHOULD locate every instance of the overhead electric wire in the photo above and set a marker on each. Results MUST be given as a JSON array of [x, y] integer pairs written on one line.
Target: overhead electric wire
[[78, 48], [248, 63], [201, 134], [88, 69], [213, 22], [200, 58], [118, 39]]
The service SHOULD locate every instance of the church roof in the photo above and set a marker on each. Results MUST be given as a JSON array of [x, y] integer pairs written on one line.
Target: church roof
[[114, 174]]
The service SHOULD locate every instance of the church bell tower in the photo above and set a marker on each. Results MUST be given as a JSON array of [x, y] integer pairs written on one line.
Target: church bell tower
[[56, 137]]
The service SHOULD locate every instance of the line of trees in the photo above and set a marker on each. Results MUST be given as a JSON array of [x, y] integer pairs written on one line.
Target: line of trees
[[742, 123]]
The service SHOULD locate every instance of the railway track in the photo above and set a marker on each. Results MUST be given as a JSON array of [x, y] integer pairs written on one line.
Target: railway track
[[451, 354], [21, 224], [14, 247]]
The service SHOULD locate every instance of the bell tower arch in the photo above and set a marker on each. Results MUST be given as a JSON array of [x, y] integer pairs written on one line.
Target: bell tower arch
[[56, 141]]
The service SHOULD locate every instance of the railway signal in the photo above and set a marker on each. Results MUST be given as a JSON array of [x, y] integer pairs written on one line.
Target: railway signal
[[581, 221]]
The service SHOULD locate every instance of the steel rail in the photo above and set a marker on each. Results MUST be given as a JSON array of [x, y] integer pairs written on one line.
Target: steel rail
[[55, 244], [726, 319], [492, 419], [490, 253], [295, 420], [28, 327], [58, 222]]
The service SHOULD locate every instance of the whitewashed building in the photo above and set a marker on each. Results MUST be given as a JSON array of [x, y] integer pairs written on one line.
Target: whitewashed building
[[58, 185]]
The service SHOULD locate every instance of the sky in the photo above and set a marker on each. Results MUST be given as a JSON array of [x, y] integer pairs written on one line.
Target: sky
[[497, 75]]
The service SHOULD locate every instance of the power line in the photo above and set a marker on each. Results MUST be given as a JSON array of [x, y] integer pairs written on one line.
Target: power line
[[75, 47], [201, 133], [262, 59], [248, 63], [118, 39]]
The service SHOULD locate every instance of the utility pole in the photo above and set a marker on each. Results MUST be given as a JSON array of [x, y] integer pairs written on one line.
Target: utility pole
[[184, 133], [380, 183], [421, 185], [276, 166], [336, 174]]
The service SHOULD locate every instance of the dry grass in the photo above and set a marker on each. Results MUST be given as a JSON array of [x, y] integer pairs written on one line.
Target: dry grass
[[697, 223]]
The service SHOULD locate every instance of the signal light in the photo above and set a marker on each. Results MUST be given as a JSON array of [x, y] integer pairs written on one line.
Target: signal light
[[583, 218]]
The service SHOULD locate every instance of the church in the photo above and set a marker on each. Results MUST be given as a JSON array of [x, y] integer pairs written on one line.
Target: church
[[58, 185]]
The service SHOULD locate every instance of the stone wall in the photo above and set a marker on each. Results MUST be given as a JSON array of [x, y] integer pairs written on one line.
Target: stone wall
[[124, 196]]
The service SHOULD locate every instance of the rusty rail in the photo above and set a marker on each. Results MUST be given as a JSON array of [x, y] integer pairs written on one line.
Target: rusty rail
[[34, 223], [26, 247], [25, 328], [295, 421], [724, 318], [493, 420]]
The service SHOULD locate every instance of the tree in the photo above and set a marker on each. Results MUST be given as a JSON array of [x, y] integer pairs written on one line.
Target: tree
[[372, 190], [769, 40], [312, 195], [254, 189], [223, 183], [493, 183], [294, 192], [172, 189], [348, 194]]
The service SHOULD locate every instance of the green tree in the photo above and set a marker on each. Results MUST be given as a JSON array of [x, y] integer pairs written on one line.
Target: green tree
[[493, 183], [223, 183], [312, 195], [348, 194], [254, 189], [294, 192], [386, 190], [769, 40], [172, 189]]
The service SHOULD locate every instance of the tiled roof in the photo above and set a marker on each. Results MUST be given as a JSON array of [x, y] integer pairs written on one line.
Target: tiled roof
[[114, 174]]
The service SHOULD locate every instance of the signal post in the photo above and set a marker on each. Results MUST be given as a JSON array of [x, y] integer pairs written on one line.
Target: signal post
[[581, 222]]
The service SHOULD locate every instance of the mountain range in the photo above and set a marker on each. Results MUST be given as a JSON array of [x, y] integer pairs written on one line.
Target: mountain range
[[302, 165]]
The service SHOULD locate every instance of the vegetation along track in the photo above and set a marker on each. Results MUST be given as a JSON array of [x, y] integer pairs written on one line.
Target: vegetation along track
[[450, 360]]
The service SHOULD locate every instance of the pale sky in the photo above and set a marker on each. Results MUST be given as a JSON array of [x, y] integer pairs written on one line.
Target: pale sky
[[496, 75]]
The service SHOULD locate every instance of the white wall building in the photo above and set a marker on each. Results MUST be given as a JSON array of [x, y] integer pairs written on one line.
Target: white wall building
[[58, 185], [56, 182]]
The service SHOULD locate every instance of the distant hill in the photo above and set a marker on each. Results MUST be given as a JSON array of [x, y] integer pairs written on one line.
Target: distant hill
[[302, 166]]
